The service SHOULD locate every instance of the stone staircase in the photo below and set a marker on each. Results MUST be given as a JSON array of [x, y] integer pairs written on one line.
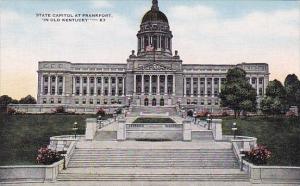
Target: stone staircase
[[96, 164], [154, 110]]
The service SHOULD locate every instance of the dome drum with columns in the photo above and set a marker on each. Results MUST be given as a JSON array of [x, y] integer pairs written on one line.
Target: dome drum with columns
[[151, 77]]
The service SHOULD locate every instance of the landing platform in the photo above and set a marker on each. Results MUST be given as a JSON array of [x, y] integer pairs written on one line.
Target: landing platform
[[153, 145]]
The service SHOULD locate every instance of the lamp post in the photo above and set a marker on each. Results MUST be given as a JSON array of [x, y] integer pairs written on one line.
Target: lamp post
[[75, 128], [209, 120], [115, 115], [99, 120], [194, 116], [234, 129]]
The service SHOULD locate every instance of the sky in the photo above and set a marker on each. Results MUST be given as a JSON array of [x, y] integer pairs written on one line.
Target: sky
[[205, 32]]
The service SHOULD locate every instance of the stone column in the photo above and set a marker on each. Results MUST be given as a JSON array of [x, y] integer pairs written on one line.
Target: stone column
[[158, 86], [205, 86], [198, 87], [102, 85], [266, 80], [81, 85], [220, 85], [173, 89], [150, 84], [42, 84], [109, 86], [64, 86], [143, 87], [95, 85], [257, 89], [213, 87], [74, 85], [134, 84], [166, 84], [184, 86], [117, 84], [123, 86], [192, 86], [56, 84]]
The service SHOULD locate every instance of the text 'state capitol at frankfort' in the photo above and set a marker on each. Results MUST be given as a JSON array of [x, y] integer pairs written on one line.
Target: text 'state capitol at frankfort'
[[152, 76]]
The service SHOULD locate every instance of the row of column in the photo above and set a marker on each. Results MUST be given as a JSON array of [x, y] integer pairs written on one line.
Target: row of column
[[161, 42], [49, 85], [198, 86], [150, 84], [102, 84]]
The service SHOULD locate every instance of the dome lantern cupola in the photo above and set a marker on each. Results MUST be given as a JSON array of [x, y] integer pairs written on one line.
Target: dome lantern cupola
[[154, 34]]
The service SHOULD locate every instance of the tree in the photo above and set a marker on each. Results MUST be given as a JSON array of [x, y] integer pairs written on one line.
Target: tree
[[5, 100], [237, 93], [275, 100], [27, 100], [292, 87]]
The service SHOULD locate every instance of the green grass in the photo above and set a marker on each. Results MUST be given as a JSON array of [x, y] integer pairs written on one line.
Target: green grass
[[280, 135], [22, 135], [153, 120]]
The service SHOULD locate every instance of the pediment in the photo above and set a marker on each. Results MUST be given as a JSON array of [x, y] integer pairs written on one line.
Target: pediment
[[154, 67]]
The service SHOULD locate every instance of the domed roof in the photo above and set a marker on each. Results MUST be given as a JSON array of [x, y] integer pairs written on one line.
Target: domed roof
[[154, 14]]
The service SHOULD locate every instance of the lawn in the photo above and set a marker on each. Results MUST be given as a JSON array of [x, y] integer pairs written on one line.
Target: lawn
[[22, 135], [280, 135]]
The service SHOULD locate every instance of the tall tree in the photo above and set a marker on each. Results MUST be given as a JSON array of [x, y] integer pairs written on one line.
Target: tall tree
[[275, 100], [5, 100], [237, 93], [27, 100], [292, 87]]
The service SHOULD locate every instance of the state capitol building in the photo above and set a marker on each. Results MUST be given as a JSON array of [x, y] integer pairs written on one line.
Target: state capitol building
[[153, 75]]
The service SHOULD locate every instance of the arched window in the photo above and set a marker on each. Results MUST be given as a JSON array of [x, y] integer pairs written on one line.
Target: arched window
[[146, 102], [153, 102], [162, 102]]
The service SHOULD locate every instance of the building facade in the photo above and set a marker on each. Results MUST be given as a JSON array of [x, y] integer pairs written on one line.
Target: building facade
[[152, 76]]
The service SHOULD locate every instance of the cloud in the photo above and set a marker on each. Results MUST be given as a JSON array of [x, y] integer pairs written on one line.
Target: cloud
[[271, 37]]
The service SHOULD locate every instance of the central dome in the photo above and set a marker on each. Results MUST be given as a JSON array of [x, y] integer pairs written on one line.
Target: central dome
[[154, 14]]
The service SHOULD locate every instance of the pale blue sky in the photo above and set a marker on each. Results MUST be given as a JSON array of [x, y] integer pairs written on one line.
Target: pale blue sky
[[217, 32]]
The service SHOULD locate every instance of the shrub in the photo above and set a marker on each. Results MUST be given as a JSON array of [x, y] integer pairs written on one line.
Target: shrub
[[59, 109], [47, 156], [11, 111], [101, 112], [190, 113], [258, 155], [290, 114]]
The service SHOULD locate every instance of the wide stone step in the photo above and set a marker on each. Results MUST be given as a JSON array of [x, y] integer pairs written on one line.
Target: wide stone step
[[152, 177]]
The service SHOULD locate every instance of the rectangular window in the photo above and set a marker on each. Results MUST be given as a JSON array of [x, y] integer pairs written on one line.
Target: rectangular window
[[59, 101], [91, 91], [91, 101], [76, 101], [45, 90], [113, 92], [83, 101], [77, 91], [60, 79], [253, 80], [202, 102], [105, 92], [52, 90], [77, 80], [99, 91], [208, 93], [46, 79], [261, 81], [99, 80], [105, 101], [51, 100], [216, 102], [84, 91], [113, 80], [209, 102], [120, 92], [260, 91], [195, 92], [44, 101], [106, 80], [60, 90], [202, 93], [120, 80], [188, 101], [53, 79], [92, 80], [98, 101], [84, 79]]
